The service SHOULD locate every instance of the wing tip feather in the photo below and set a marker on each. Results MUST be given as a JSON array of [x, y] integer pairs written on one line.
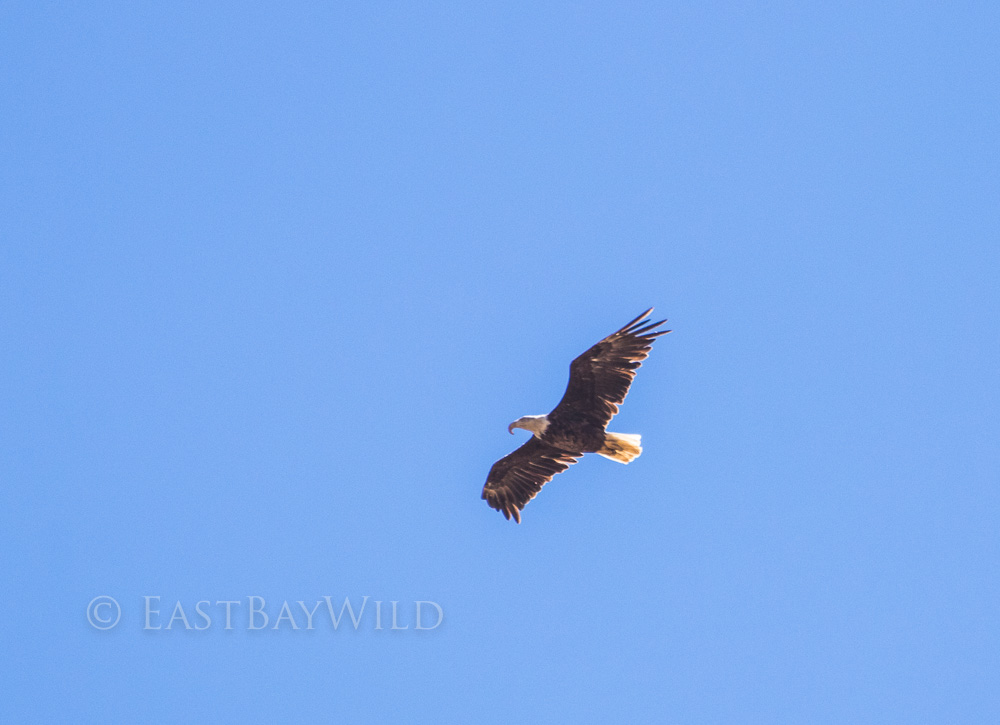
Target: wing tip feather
[[638, 319]]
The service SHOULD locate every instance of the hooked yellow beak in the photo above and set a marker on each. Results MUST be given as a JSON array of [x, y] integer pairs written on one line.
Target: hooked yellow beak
[[510, 428]]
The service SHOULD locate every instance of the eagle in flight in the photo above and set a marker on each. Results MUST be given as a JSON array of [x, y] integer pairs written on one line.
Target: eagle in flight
[[598, 382]]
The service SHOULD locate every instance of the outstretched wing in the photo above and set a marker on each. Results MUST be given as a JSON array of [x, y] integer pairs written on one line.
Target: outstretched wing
[[517, 477], [600, 378]]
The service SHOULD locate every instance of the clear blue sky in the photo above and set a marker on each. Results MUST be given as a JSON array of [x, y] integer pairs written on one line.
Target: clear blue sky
[[276, 277]]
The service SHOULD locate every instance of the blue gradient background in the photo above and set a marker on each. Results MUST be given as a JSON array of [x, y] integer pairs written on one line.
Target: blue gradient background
[[275, 280]]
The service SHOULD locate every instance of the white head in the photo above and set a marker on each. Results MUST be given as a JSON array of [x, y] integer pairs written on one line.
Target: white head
[[535, 423]]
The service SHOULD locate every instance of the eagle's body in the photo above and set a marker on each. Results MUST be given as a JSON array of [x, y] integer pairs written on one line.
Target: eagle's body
[[598, 382]]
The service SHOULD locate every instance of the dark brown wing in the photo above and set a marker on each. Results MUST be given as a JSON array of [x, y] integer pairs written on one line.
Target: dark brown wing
[[600, 378], [517, 477]]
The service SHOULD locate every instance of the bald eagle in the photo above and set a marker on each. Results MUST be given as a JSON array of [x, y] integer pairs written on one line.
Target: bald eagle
[[598, 382]]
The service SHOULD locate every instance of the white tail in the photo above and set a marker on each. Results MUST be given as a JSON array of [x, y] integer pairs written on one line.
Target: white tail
[[621, 447]]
